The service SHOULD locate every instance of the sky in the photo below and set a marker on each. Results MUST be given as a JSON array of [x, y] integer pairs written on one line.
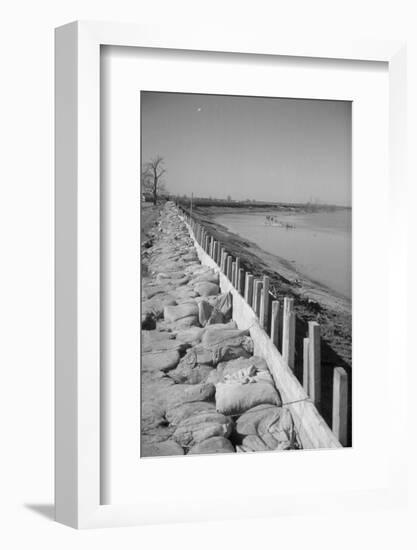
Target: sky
[[272, 149]]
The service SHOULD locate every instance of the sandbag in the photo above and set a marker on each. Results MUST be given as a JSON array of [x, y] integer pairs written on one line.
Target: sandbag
[[253, 443], [221, 326], [183, 292], [156, 435], [184, 393], [152, 416], [163, 361], [213, 355], [228, 352], [174, 415], [197, 269], [181, 324], [247, 375], [175, 313], [198, 355], [284, 431], [224, 305], [272, 425], [241, 368], [243, 363], [177, 275], [212, 445], [152, 290], [207, 277], [164, 448], [153, 340], [206, 289], [154, 308], [200, 427], [204, 312], [248, 423], [191, 335], [186, 374], [226, 336], [235, 398]]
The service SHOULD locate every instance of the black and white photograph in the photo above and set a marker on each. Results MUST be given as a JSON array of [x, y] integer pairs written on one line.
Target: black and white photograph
[[246, 274]]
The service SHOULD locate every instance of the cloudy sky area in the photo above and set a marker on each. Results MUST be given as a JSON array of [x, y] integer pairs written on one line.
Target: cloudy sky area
[[250, 148]]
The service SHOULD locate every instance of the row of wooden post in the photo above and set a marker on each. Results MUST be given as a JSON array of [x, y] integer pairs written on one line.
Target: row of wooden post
[[256, 293]]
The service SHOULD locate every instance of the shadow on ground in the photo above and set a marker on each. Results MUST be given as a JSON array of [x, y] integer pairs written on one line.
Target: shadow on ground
[[45, 510]]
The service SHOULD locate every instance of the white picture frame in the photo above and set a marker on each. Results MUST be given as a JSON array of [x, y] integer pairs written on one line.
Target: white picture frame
[[78, 411]]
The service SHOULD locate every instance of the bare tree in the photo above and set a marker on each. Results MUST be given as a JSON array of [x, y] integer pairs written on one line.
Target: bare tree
[[151, 177]]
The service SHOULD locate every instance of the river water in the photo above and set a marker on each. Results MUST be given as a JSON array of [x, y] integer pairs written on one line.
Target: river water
[[318, 245]]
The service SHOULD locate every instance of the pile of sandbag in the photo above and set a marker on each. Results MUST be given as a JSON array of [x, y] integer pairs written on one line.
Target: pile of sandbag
[[216, 343], [203, 390]]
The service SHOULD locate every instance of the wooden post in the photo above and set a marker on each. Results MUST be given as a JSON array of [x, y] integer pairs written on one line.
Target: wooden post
[[306, 348], [225, 256], [288, 332], [246, 286], [340, 404], [314, 363], [249, 289], [211, 246], [257, 293], [241, 281], [275, 322], [216, 251], [222, 259], [233, 279], [264, 309], [229, 267]]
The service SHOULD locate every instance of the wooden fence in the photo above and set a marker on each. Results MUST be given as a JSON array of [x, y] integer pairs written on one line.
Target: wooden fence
[[278, 320]]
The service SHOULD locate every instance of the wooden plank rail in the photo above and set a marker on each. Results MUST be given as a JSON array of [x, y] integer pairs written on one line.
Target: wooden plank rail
[[255, 308]]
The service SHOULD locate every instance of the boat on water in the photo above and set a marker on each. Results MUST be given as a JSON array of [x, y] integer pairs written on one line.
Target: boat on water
[[274, 222]]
